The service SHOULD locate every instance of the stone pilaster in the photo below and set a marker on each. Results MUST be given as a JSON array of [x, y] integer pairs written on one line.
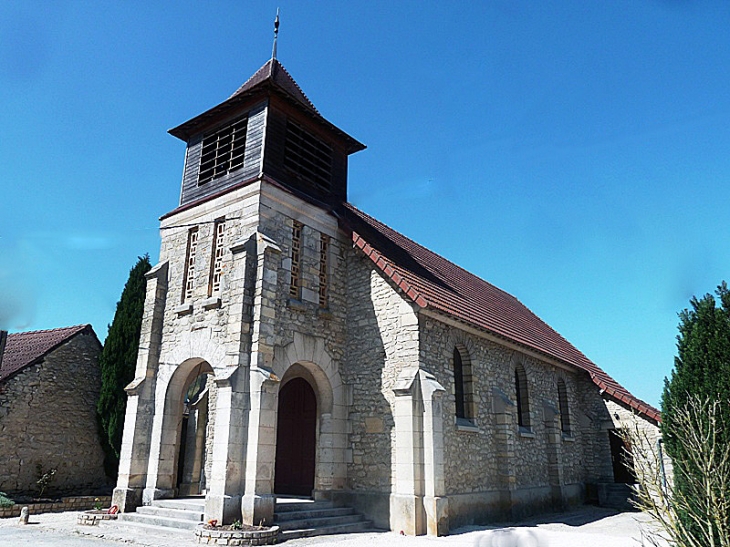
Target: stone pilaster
[[406, 502], [502, 408], [223, 501], [553, 433], [135, 450], [232, 404], [257, 506], [435, 502]]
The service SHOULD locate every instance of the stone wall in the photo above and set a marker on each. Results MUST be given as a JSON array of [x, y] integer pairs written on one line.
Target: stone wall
[[48, 417], [74, 503], [646, 434], [382, 340], [492, 456]]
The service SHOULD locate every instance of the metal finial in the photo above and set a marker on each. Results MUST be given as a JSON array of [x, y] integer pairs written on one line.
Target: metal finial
[[276, 34]]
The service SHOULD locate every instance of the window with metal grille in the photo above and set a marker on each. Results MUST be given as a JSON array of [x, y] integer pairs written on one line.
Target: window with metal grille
[[216, 257], [223, 151], [307, 157], [295, 284], [563, 406], [189, 275], [324, 245]]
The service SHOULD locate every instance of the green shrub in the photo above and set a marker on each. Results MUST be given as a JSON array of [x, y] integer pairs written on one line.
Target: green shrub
[[5, 501]]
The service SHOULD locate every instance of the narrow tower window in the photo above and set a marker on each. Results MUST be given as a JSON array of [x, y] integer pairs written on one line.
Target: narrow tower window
[[523, 399], [563, 406], [216, 257], [222, 151], [295, 285], [189, 275], [324, 245]]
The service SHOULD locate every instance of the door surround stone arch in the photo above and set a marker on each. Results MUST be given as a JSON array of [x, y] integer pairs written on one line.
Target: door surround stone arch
[[306, 357], [166, 429]]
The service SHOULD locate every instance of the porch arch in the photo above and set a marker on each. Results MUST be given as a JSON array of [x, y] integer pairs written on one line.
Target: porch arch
[[162, 478]]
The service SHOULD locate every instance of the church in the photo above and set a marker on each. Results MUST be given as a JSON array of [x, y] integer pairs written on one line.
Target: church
[[294, 346]]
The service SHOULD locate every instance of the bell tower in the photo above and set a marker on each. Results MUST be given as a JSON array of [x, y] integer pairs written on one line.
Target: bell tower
[[268, 129], [250, 260]]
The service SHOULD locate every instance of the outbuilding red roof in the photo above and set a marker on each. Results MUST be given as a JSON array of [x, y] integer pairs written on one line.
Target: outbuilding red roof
[[24, 349], [432, 282]]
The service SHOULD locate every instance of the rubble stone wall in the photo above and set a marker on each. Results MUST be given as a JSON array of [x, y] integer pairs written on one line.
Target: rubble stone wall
[[48, 417]]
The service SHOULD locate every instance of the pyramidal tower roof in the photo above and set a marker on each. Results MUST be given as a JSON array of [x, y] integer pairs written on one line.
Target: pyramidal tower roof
[[274, 72], [272, 77]]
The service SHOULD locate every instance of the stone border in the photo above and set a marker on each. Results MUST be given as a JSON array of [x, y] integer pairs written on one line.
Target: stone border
[[72, 503], [92, 518], [237, 537]]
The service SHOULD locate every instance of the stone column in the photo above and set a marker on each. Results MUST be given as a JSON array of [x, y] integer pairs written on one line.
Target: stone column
[[435, 502], [554, 453], [406, 502], [135, 450], [502, 407], [257, 506]]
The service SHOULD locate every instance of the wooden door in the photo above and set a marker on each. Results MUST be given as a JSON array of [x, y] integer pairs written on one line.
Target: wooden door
[[296, 439]]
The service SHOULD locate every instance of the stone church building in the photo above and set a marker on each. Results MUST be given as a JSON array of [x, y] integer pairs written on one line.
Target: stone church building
[[293, 345]]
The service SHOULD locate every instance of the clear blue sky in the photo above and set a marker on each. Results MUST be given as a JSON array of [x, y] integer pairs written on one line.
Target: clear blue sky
[[575, 154]]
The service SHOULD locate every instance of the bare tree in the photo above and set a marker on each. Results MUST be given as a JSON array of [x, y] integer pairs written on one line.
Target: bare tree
[[697, 514]]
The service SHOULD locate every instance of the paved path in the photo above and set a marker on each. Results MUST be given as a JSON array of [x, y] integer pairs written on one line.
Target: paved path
[[589, 527]]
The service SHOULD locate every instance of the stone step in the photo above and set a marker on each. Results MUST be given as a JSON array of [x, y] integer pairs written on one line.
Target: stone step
[[319, 523], [312, 513], [286, 506], [156, 520], [182, 514], [362, 526], [183, 504]]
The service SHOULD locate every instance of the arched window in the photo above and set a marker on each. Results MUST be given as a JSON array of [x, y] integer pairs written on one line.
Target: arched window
[[463, 387], [523, 399], [563, 405]]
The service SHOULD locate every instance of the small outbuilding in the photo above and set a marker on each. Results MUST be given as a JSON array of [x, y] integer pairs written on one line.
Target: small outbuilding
[[49, 385]]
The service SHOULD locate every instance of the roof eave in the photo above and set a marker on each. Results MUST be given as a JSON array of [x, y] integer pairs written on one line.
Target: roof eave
[[199, 123]]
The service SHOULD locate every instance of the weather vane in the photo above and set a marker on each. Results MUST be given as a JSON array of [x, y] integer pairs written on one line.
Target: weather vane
[[276, 33]]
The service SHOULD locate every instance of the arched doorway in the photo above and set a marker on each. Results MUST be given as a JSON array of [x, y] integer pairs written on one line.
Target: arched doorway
[[296, 439]]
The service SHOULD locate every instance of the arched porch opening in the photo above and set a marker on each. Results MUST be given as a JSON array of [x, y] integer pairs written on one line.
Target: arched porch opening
[[184, 425]]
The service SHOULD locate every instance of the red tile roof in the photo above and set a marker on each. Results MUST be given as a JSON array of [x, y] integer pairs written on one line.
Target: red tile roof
[[273, 70], [24, 349], [432, 282]]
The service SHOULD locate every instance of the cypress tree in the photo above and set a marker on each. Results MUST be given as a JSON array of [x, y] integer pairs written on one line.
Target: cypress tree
[[701, 370], [117, 362]]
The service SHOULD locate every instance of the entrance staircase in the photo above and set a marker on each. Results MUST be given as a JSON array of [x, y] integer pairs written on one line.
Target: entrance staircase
[[181, 513], [296, 517]]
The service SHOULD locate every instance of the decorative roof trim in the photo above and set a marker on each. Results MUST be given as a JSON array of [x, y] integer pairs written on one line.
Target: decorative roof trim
[[385, 266]]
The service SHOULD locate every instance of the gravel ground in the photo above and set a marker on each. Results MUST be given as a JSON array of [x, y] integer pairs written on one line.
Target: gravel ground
[[589, 527]]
